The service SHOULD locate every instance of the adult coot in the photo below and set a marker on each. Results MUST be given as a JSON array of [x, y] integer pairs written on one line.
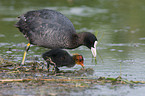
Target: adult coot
[[51, 29], [60, 58]]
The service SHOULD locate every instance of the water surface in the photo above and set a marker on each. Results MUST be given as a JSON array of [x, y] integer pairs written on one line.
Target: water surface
[[120, 52]]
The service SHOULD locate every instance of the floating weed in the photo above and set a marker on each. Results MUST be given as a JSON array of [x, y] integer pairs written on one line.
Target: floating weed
[[74, 81], [36, 75], [5, 62], [1, 60], [96, 34]]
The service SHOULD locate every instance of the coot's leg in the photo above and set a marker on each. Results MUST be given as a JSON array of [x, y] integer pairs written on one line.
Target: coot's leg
[[48, 67], [24, 56], [49, 61], [56, 69]]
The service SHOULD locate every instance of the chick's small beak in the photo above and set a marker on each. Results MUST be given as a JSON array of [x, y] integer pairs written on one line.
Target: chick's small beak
[[82, 65]]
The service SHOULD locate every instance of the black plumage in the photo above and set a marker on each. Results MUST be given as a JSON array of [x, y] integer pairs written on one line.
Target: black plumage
[[60, 58], [51, 29]]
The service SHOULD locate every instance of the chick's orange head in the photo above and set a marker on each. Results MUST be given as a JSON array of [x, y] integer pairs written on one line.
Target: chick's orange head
[[79, 59]]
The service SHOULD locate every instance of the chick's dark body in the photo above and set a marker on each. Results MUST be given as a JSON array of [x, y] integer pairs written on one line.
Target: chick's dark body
[[59, 57]]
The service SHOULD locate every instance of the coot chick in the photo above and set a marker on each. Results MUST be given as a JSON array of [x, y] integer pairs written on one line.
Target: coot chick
[[60, 58], [51, 29]]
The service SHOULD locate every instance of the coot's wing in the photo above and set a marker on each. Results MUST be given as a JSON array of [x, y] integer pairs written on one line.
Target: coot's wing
[[46, 28]]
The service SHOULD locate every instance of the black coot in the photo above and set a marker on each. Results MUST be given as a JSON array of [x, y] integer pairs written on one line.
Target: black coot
[[60, 58], [51, 29]]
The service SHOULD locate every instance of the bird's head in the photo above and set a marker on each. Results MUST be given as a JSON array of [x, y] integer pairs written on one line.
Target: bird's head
[[91, 41], [78, 59]]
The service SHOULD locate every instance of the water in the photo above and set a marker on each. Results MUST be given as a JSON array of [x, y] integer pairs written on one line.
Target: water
[[120, 52]]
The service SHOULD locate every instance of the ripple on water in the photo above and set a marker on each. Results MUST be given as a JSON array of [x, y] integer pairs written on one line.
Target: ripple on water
[[8, 19]]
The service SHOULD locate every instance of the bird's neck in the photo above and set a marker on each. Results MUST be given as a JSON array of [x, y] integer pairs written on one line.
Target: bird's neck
[[78, 39]]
